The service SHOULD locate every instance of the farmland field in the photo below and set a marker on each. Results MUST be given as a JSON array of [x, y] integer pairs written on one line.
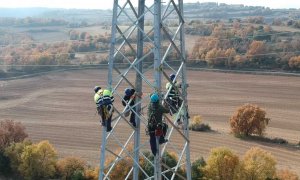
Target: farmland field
[[59, 107]]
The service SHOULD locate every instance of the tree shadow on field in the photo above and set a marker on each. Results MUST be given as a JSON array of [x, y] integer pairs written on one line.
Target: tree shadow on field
[[277, 142]]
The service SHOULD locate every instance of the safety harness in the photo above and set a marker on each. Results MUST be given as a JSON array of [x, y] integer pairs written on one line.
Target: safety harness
[[153, 127]]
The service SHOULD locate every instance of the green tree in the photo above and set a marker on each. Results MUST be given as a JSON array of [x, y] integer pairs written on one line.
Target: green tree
[[146, 165], [259, 164], [197, 168], [249, 119], [4, 165], [38, 161], [14, 152], [222, 164]]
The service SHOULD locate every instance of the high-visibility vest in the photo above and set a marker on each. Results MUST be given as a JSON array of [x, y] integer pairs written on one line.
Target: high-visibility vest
[[104, 97], [173, 92]]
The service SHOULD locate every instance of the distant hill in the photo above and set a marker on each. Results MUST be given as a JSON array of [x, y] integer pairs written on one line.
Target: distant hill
[[70, 15], [23, 12], [211, 10], [204, 11]]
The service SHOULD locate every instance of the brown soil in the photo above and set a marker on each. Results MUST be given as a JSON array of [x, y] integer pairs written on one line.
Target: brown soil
[[59, 107]]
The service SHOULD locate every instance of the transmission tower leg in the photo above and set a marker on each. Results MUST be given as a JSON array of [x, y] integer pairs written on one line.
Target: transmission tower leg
[[157, 75], [184, 93], [157, 168], [157, 44], [138, 86], [109, 84], [102, 155]]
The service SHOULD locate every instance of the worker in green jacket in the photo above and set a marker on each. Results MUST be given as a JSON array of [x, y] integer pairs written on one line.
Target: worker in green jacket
[[156, 128]]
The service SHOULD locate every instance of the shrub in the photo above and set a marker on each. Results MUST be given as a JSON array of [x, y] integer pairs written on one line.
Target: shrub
[[77, 175], [197, 168], [266, 139], [147, 165], [286, 175], [91, 174], [294, 62], [197, 124], [259, 164], [121, 169], [70, 167], [10, 132], [249, 119], [169, 159], [222, 164]]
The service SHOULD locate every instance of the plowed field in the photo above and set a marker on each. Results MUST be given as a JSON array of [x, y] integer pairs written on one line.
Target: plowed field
[[59, 107]]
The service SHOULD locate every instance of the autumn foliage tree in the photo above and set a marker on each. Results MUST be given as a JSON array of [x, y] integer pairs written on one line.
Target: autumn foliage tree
[[248, 120], [10, 132], [294, 62], [286, 174], [91, 173], [259, 164], [222, 164], [256, 48], [69, 166]]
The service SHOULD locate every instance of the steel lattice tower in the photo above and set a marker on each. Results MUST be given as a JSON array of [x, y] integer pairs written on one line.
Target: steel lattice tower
[[141, 57]]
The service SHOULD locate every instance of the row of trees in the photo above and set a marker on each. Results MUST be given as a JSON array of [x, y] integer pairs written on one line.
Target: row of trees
[[31, 57], [86, 42], [40, 161], [240, 45], [256, 163], [19, 157], [34, 57]]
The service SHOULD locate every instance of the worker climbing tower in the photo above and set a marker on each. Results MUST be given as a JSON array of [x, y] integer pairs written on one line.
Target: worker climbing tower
[[147, 44]]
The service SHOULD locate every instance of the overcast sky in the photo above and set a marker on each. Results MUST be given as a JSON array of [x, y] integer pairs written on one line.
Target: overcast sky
[[107, 4]]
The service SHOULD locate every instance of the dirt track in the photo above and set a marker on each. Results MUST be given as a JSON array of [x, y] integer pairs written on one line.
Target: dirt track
[[59, 107]]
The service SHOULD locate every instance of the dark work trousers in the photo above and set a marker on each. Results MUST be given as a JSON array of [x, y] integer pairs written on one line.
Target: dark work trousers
[[161, 139], [153, 143], [108, 124], [173, 105], [132, 117]]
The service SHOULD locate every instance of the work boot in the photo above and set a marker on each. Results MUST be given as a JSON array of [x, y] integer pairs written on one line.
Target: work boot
[[108, 129], [132, 121], [133, 124], [162, 141], [178, 122]]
